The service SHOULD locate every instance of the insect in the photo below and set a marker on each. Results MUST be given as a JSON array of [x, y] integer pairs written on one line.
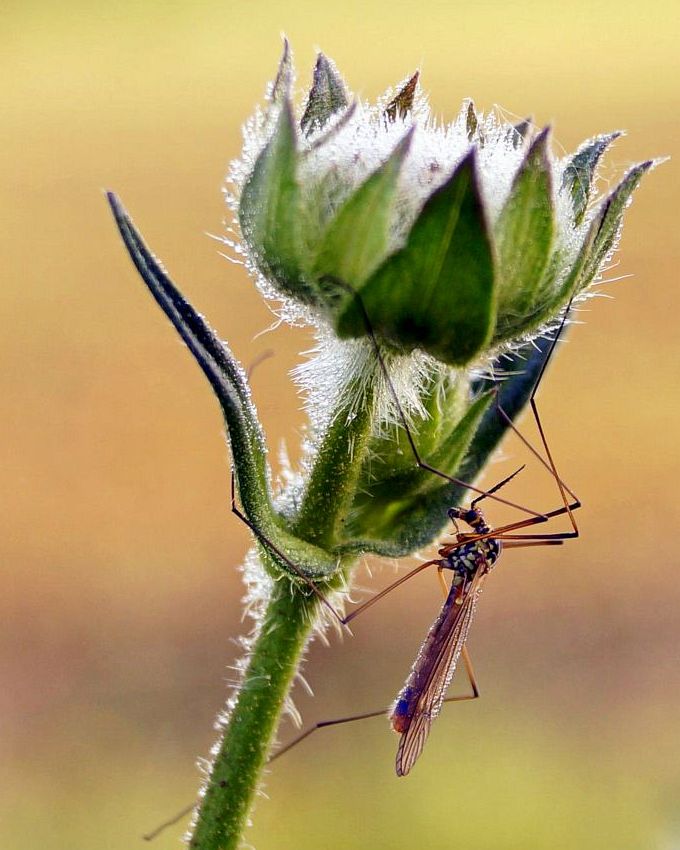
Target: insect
[[470, 559]]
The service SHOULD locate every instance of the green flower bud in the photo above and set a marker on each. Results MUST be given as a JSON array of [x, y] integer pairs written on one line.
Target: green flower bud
[[461, 239]]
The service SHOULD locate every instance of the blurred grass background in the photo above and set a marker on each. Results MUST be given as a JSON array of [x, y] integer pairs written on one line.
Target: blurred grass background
[[120, 590]]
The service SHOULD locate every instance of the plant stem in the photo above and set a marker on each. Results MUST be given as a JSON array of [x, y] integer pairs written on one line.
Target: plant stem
[[243, 751], [332, 481], [282, 636]]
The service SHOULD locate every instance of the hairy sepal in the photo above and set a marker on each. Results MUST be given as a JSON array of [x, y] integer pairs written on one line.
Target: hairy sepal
[[606, 222], [356, 239], [579, 173], [269, 211], [524, 235], [327, 96], [437, 293]]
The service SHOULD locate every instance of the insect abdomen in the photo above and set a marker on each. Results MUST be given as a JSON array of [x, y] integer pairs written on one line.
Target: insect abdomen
[[401, 713]]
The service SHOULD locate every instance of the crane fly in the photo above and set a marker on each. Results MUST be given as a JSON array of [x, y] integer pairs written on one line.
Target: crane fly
[[470, 559]]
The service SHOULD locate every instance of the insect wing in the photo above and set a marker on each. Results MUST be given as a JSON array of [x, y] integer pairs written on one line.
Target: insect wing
[[430, 701]]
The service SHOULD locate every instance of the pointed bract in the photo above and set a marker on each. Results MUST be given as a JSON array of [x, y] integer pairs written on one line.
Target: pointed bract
[[471, 122], [437, 293], [522, 131], [524, 234], [402, 103], [356, 240], [282, 87], [326, 97], [226, 376], [578, 175]]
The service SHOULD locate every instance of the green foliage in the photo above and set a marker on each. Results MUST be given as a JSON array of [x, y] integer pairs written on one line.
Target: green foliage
[[524, 235], [579, 174], [357, 237], [437, 292]]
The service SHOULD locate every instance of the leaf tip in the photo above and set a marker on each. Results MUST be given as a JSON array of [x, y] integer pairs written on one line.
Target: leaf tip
[[402, 103]]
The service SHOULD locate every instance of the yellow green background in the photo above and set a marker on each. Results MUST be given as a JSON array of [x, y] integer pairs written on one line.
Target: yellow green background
[[120, 588]]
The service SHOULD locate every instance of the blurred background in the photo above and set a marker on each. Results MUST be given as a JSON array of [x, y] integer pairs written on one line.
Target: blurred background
[[120, 586]]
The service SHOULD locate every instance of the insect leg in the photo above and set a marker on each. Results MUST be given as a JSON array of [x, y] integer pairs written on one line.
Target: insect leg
[[501, 533], [388, 589], [323, 724], [340, 720], [550, 464]]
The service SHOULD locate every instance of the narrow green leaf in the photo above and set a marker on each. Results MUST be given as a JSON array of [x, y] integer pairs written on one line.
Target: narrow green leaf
[[219, 365], [606, 223], [437, 292], [577, 178], [326, 97], [525, 230], [356, 239], [229, 383], [268, 210], [402, 103]]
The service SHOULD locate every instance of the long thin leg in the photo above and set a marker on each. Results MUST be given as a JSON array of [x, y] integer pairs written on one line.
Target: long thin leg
[[465, 655], [323, 724], [187, 810], [516, 544], [550, 464], [363, 607]]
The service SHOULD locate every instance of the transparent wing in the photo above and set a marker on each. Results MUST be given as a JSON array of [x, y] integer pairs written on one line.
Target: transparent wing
[[434, 688]]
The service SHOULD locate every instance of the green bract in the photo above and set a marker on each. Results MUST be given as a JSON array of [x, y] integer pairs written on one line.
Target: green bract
[[461, 239]]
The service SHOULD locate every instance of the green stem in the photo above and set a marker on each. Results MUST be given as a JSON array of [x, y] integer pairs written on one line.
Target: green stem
[[332, 482], [288, 621], [243, 752]]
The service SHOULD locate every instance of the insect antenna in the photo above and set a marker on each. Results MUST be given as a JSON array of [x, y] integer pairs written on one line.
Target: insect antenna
[[496, 487]]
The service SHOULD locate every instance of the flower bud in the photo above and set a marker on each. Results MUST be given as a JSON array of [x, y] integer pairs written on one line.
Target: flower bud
[[460, 239]]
